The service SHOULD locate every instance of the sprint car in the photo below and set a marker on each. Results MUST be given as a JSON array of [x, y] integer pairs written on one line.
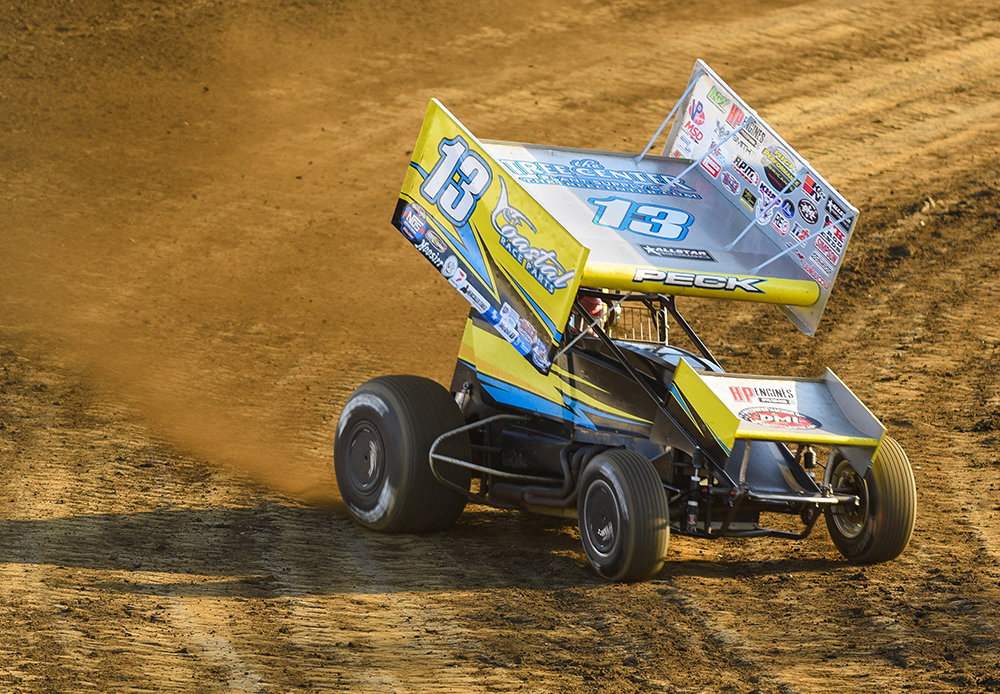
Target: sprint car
[[569, 399]]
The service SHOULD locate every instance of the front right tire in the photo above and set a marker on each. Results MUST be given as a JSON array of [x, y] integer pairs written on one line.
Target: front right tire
[[879, 526]]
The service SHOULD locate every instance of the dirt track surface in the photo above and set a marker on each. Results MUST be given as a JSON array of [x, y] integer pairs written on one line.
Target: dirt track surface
[[196, 268]]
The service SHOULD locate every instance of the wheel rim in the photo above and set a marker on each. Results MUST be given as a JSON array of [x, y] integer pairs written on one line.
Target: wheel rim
[[366, 459], [602, 518], [850, 520]]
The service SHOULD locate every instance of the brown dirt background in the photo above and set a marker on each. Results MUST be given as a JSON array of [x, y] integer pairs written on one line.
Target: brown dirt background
[[197, 267]]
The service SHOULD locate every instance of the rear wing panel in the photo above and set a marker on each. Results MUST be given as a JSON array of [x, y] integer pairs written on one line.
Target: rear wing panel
[[518, 228], [792, 204]]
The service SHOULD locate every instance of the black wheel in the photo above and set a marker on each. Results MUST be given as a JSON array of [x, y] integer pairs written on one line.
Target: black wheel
[[381, 451], [622, 513], [878, 528]]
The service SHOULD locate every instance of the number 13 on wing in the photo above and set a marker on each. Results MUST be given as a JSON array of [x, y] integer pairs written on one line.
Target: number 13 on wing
[[456, 197]]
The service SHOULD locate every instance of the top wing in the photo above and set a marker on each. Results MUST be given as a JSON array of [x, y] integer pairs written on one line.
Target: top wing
[[733, 213]]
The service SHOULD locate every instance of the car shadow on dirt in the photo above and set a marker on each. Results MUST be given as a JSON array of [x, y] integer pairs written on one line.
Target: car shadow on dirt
[[276, 550]]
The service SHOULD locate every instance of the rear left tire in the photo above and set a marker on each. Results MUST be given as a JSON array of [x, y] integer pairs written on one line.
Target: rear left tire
[[381, 452]]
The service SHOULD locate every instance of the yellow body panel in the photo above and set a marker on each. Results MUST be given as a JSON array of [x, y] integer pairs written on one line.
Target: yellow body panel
[[492, 356]]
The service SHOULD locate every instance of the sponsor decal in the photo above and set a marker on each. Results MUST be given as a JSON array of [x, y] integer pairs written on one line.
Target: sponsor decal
[[508, 322], [674, 252], [746, 171], [731, 183], [665, 223], [800, 232], [780, 224], [820, 262], [430, 252], [808, 211], [692, 130], [778, 419], [527, 331], [435, 240], [835, 239], [543, 265], [540, 357], [711, 165], [413, 223], [751, 137], [508, 327], [590, 174], [736, 116], [764, 394], [460, 281], [697, 112], [813, 189], [717, 153], [787, 209], [689, 279], [765, 209], [450, 266], [718, 99], [814, 273], [748, 199], [778, 166], [839, 214], [823, 247], [721, 131]]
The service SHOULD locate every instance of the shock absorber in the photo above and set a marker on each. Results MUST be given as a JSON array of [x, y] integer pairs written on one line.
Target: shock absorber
[[691, 514], [809, 461]]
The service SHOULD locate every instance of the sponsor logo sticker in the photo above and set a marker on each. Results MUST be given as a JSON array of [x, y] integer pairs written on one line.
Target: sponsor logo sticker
[[731, 183], [727, 283], [674, 252], [414, 222], [808, 211], [718, 99], [542, 264], [746, 170], [780, 225], [736, 116], [813, 189], [711, 166], [697, 112], [770, 395], [435, 240], [778, 418]]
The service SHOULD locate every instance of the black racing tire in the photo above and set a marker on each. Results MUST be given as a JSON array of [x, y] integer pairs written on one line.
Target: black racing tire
[[879, 527], [381, 451], [622, 515]]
